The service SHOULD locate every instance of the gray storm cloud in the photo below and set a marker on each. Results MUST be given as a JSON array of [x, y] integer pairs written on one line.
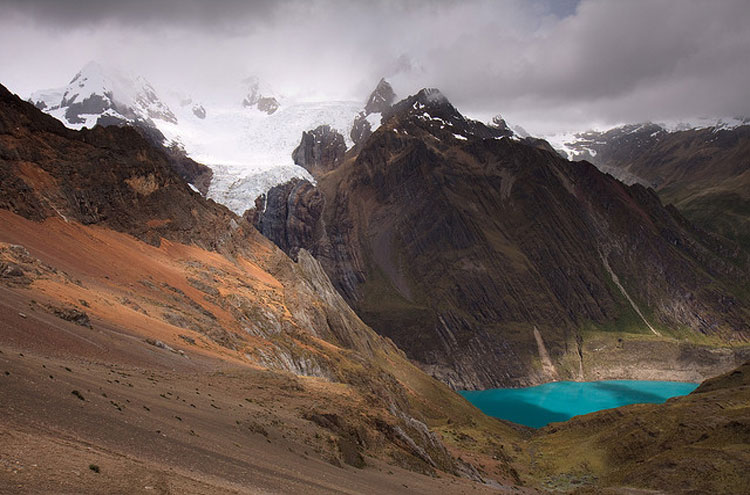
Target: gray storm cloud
[[547, 65]]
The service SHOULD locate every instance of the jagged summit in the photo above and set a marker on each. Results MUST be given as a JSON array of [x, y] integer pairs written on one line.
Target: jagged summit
[[498, 122], [426, 100], [430, 110], [381, 98], [378, 103]]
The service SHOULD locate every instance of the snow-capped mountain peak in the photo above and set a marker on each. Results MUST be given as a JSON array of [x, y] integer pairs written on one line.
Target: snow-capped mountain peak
[[98, 92], [247, 139]]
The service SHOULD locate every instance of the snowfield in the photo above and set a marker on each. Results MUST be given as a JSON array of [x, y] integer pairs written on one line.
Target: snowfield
[[250, 151]]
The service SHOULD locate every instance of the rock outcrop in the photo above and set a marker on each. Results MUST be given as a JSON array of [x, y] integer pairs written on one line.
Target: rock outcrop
[[199, 111], [289, 215], [258, 98], [361, 129], [189, 170], [320, 150]]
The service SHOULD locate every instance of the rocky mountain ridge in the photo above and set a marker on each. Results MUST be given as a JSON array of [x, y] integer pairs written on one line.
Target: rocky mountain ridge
[[477, 252]]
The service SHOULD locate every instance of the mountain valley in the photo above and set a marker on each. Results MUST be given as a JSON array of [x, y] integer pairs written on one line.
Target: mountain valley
[[148, 281], [250, 292]]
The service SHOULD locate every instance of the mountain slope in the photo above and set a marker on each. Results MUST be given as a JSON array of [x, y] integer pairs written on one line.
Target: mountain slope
[[106, 256], [693, 444], [205, 361], [479, 254]]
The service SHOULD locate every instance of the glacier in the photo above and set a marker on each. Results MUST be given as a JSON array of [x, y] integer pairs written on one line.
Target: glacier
[[249, 150]]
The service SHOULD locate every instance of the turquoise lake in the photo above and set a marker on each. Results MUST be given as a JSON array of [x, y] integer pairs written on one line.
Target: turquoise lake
[[560, 401]]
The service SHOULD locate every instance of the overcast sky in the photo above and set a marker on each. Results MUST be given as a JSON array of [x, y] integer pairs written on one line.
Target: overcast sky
[[547, 65]]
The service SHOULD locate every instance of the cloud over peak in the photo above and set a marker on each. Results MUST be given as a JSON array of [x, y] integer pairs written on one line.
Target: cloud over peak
[[544, 64]]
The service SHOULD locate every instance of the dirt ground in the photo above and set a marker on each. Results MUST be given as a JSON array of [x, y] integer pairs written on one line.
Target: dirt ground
[[104, 407], [177, 425]]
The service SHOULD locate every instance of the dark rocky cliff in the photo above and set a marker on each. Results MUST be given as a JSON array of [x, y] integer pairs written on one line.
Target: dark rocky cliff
[[289, 215], [381, 98], [320, 150]]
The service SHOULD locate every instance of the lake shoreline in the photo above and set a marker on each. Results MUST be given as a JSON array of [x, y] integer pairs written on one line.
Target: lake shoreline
[[538, 405]]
